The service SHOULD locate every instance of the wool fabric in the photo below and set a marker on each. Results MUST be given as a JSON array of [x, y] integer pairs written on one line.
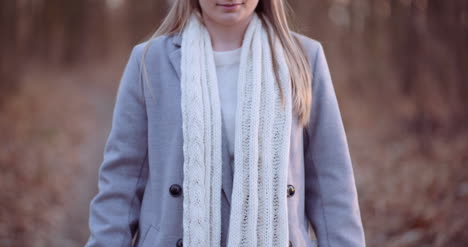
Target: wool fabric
[[259, 215]]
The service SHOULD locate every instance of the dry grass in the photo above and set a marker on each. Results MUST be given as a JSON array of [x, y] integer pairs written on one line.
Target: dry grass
[[44, 126], [409, 196]]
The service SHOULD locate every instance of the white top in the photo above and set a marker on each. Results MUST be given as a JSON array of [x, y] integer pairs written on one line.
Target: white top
[[227, 69]]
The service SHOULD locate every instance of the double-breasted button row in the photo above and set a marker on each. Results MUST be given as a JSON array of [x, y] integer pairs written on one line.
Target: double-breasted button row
[[175, 190], [291, 190]]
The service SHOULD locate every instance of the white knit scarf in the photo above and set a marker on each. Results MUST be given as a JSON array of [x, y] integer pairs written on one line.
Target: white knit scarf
[[259, 214]]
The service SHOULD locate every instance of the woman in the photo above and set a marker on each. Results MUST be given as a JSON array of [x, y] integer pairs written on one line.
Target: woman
[[226, 132]]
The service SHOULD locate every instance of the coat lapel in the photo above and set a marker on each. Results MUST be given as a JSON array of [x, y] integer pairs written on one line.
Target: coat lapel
[[227, 176], [175, 55]]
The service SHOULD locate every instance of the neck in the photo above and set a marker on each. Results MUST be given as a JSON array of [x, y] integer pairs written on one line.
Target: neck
[[226, 37]]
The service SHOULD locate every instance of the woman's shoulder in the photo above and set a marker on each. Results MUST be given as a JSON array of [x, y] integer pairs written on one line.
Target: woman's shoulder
[[311, 46], [157, 46], [308, 42]]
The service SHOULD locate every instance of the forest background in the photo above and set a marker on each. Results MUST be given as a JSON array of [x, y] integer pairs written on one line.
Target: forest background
[[399, 68]]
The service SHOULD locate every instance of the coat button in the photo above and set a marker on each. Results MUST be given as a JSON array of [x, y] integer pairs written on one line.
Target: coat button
[[291, 190], [290, 244], [231, 157], [175, 190], [179, 243]]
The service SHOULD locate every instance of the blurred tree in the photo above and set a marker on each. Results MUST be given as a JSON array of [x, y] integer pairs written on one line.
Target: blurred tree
[[144, 17], [96, 29], [73, 16], [8, 58], [430, 41]]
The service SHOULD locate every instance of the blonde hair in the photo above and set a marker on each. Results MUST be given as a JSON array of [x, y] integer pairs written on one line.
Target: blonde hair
[[275, 12]]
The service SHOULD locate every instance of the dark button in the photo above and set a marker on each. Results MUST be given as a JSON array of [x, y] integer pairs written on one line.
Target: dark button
[[175, 190], [231, 157], [290, 244], [179, 243], [291, 190]]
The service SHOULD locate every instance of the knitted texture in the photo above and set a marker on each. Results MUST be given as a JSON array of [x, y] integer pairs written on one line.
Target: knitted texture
[[259, 215]]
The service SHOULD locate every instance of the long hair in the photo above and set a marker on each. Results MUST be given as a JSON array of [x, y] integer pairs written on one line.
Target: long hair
[[275, 11]]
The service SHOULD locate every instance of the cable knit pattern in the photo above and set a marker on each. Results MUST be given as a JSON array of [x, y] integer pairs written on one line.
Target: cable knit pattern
[[259, 215]]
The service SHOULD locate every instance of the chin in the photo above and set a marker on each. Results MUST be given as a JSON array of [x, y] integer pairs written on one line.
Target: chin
[[229, 18]]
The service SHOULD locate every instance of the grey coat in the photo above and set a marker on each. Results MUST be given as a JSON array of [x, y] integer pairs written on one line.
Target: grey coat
[[140, 179]]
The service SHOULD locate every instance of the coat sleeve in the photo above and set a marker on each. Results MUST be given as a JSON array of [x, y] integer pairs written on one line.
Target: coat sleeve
[[330, 190], [115, 210]]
